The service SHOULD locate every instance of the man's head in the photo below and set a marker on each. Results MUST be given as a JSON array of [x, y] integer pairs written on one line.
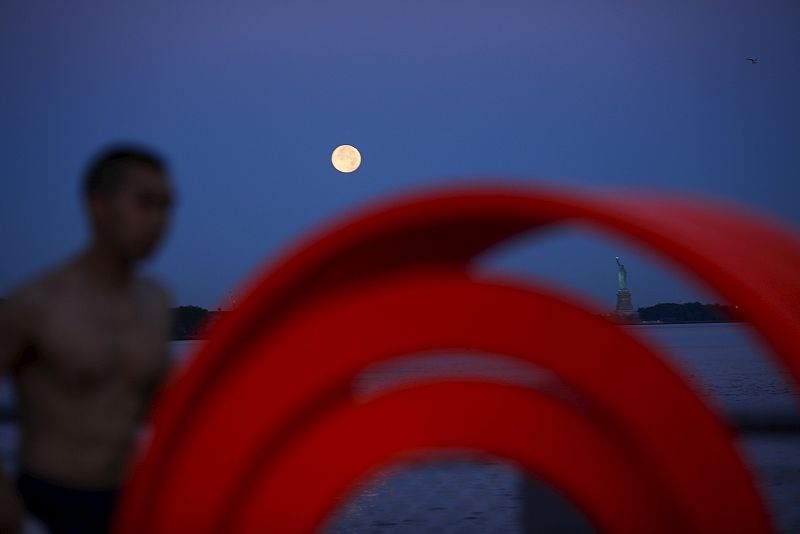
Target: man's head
[[129, 199]]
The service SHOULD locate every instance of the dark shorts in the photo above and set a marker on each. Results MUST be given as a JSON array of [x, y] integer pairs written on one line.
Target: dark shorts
[[66, 510]]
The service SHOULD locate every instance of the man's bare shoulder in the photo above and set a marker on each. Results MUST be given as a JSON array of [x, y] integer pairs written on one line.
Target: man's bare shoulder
[[30, 301], [23, 309], [17, 312], [158, 301], [29, 298]]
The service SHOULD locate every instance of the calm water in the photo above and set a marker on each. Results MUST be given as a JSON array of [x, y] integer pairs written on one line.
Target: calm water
[[724, 361]]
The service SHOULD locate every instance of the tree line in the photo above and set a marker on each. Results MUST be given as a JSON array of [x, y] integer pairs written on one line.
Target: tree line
[[189, 321], [689, 312]]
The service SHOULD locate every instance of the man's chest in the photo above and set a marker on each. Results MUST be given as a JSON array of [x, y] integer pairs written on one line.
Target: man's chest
[[88, 342]]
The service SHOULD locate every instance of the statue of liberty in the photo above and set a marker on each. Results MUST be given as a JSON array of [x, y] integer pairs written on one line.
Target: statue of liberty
[[622, 276], [624, 304]]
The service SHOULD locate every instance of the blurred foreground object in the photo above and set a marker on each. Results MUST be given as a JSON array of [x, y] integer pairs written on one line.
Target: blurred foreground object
[[262, 431]]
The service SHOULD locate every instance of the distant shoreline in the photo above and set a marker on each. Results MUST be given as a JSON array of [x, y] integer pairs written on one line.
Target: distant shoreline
[[639, 323], [659, 323]]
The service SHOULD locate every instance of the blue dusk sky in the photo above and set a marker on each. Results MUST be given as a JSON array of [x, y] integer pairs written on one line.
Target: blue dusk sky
[[248, 99]]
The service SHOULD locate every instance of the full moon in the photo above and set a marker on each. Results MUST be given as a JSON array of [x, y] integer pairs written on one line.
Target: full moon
[[346, 158]]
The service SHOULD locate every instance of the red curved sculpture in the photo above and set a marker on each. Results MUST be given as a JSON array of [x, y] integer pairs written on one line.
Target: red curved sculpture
[[386, 320], [425, 244], [293, 497]]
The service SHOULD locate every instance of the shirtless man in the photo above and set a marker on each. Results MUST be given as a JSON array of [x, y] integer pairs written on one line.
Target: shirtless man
[[86, 345]]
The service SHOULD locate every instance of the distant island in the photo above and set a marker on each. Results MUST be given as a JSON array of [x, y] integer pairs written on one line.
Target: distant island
[[189, 322], [690, 312]]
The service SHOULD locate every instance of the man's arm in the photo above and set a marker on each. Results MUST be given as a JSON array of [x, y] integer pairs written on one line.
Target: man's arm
[[163, 303], [13, 337]]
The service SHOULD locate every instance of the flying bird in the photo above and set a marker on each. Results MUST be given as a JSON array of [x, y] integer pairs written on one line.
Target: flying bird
[[752, 60]]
